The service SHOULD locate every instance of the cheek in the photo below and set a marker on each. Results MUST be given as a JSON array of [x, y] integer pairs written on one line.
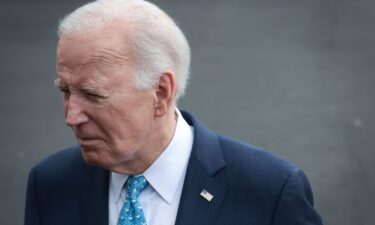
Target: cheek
[[123, 118], [119, 123]]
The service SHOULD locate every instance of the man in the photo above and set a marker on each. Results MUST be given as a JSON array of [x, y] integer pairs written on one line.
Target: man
[[122, 65]]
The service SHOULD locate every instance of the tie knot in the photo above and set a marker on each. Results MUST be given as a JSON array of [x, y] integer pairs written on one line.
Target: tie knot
[[136, 185]]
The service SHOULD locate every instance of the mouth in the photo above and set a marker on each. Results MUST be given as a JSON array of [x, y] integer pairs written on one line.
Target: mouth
[[84, 141]]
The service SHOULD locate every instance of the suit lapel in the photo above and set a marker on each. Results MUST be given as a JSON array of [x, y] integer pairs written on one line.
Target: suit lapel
[[194, 209], [204, 166], [94, 197]]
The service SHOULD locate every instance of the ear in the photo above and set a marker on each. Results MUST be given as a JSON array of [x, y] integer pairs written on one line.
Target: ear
[[165, 91]]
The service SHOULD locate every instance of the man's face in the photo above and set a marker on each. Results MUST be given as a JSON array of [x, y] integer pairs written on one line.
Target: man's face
[[112, 119]]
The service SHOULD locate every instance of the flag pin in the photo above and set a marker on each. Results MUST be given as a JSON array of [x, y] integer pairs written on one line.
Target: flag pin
[[207, 195]]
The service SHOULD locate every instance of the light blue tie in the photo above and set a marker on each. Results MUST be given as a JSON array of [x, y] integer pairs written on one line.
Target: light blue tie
[[131, 212]]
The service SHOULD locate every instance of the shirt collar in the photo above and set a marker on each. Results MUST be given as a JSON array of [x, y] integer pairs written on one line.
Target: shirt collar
[[117, 182], [165, 174]]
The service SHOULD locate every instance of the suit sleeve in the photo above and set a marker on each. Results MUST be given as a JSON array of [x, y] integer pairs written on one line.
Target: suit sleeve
[[31, 206], [295, 204]]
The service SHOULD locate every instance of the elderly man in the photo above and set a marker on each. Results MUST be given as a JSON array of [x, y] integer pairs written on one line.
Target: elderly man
[[122, 65]]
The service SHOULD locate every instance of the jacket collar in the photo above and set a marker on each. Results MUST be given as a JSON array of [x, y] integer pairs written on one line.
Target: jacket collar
[[205, 165], [206, 147]]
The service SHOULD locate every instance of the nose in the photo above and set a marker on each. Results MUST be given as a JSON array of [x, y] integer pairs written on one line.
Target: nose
[[74, 112]]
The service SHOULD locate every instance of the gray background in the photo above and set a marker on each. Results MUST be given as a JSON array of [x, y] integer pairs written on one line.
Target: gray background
[[295, 77]]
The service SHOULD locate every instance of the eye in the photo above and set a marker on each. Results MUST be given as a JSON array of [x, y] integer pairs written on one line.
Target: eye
[[94, 97], [65, 93]]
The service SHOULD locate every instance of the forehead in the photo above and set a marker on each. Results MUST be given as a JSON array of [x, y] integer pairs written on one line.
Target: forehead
[[100, 51], [107, 45], [95, 59]]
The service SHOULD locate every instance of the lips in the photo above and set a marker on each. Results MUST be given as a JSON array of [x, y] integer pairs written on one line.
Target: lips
[[88, 141], [85, 140], [85, 137]]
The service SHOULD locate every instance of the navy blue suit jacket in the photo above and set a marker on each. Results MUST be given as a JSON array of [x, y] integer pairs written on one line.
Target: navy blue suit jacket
[[249, 186]]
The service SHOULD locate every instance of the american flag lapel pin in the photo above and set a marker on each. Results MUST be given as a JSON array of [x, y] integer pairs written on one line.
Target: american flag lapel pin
[[207, 195]]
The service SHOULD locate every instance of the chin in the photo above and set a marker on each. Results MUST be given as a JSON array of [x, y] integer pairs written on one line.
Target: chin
[[92, 158]]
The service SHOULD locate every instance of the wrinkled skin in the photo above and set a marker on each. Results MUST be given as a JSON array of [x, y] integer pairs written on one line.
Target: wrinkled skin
[[118, 126]]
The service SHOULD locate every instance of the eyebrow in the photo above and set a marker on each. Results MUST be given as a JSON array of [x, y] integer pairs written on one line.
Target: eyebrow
[[58, 83], [91, 89]]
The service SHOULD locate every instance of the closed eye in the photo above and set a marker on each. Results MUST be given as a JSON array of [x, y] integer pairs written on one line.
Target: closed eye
[[65, 93], [94, 97]]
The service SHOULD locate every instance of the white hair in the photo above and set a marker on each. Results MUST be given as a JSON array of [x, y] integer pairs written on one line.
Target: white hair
[[157, 42]]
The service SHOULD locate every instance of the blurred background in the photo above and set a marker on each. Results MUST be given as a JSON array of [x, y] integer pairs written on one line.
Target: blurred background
[[295, 77]]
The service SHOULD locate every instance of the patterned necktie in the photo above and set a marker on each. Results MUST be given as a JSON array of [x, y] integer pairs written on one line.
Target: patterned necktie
[[131, 212]]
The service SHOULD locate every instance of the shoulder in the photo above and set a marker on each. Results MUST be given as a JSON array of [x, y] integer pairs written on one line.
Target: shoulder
[[265, 179], [242, 160], [63, 166], [250, 155], [62, 158], [253, 165]]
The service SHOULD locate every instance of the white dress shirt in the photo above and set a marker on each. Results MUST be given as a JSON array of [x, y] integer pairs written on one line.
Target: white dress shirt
[[161, 198]]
